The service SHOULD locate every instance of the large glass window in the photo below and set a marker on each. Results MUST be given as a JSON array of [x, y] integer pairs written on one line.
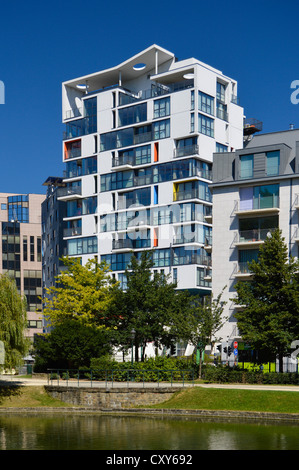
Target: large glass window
[[257, 228], [206, 125], [161, 129], [272, 159], [162, 107], [81, 207], [245, 257], [246, 166], [259, 197], [205, 103], [132, 114], [33, 289], [18, 208], [221, 148], [81, 246], [90, 111]]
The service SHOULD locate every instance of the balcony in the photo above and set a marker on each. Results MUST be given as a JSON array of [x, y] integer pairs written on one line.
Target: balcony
[[127, 244], [257, 206], [242, 271], [222, 114], [123, 162], [186, 151], [252, 237], [73, 192], [182, 195], [72, 232]]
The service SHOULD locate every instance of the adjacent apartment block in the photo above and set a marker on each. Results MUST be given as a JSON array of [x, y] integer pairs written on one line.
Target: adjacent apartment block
[[21, 251], [255, 190], [138, 148]]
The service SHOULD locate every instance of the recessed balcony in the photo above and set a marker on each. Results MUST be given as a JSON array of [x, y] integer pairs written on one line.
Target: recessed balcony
[[253, 237], [242, 271], [266, 206], [72, 192]]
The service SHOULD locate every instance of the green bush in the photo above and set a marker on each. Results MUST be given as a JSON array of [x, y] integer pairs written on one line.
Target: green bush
[[225, 374], [151, 370]]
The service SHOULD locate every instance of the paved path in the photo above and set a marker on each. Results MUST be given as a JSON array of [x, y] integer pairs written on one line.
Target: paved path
[[36, 381]]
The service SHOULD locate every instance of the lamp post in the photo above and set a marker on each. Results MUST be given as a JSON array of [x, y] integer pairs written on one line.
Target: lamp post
[[132, 338]]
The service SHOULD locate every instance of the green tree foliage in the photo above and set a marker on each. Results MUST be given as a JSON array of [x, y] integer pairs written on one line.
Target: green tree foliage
[[13, 322], [270, 301], [150, 305], [70, 345], [205, 322], [82, 293]]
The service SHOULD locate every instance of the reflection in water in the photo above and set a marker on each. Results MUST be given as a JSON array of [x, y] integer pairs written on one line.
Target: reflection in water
[[111, 432]]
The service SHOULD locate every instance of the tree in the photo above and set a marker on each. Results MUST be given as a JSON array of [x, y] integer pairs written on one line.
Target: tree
[[150, 306], [82, 293], [13, 322], [70, 345], [206, 320], [270, 300]]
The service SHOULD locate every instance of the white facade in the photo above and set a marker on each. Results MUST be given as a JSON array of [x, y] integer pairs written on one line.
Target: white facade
[[138, 149], [248, 202]]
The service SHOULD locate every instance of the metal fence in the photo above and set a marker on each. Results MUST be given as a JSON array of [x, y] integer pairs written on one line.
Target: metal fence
[[116, 377]]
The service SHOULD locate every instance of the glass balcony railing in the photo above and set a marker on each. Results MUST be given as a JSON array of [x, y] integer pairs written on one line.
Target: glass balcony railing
[[185, 151], [127, 243], [72, 232], [70, 191], [254, 235]]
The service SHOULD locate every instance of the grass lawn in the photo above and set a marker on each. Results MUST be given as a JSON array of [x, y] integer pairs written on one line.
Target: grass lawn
[[27, 397], [234, 400]]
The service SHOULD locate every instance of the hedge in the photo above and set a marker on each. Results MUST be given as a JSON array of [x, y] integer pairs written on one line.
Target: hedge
[[225, 374]]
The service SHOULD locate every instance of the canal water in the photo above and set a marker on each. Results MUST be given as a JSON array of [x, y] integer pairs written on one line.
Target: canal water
[[113, 432]]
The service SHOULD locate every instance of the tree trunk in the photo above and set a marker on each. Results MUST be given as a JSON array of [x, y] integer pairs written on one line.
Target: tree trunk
[[280, 362], [136, 352]]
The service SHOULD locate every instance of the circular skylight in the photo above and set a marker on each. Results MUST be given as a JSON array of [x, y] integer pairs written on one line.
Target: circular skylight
[[139, 66], [82, 86], [188, 76]]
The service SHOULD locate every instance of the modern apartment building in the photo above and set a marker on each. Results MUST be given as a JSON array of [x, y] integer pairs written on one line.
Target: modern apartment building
[[138, 148], [255, 190], [20, 254]]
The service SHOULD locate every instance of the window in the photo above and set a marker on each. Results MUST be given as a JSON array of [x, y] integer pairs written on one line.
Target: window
[[192, 122], [245, 257], [25, 248], [161, 129], [221, 148], [33, 288], [272, 165], [3, 207], [257, 228], [90, 111], [201, 281], [18, 208], [81, 246], [246, 166], [206, 125], [162, 107], [82, 207], [220, 92], [205, 103], [259, 197], [192, 99], [132, 115]]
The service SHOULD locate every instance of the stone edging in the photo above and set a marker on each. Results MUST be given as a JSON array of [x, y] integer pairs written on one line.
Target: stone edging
[[163, 412]]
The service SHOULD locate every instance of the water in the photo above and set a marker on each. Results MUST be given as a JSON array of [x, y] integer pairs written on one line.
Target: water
[[110, 432]]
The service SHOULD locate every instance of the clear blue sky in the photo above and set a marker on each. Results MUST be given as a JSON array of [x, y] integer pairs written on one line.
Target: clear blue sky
[[46, 43]]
